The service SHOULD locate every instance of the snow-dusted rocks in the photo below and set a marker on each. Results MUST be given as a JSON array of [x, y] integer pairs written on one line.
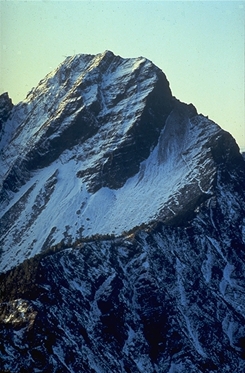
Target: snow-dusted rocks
[[122, 227]]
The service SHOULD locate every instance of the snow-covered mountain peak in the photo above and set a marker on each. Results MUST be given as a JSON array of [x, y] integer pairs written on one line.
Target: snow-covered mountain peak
[[97, 138], [105, 91], [122, 227]]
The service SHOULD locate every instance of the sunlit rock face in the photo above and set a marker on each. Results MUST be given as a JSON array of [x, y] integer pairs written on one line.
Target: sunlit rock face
[[122, 227]]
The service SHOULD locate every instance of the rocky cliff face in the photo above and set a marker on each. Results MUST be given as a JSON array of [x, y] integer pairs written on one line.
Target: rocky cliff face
[[122, 227]]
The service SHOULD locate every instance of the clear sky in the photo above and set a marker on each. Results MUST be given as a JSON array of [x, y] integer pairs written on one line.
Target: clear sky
[[198, 44]]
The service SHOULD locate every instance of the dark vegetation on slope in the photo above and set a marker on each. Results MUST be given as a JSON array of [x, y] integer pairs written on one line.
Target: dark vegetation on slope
[[142, 294], [22, 281]]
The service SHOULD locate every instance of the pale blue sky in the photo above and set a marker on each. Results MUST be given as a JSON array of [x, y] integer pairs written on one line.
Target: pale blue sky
[[198, 44]]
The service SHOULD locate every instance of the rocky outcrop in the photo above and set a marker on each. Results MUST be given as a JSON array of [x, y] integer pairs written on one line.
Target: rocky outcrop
[[123, 162]]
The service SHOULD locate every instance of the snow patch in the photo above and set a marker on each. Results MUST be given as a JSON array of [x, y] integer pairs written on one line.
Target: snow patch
[[194, 337], [207, 267]]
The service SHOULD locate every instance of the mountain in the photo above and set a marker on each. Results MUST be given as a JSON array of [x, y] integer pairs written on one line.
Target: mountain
[[122, 227]]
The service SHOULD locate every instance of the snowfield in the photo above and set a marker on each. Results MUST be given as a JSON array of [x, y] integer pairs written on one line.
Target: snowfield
[[58, 204]]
